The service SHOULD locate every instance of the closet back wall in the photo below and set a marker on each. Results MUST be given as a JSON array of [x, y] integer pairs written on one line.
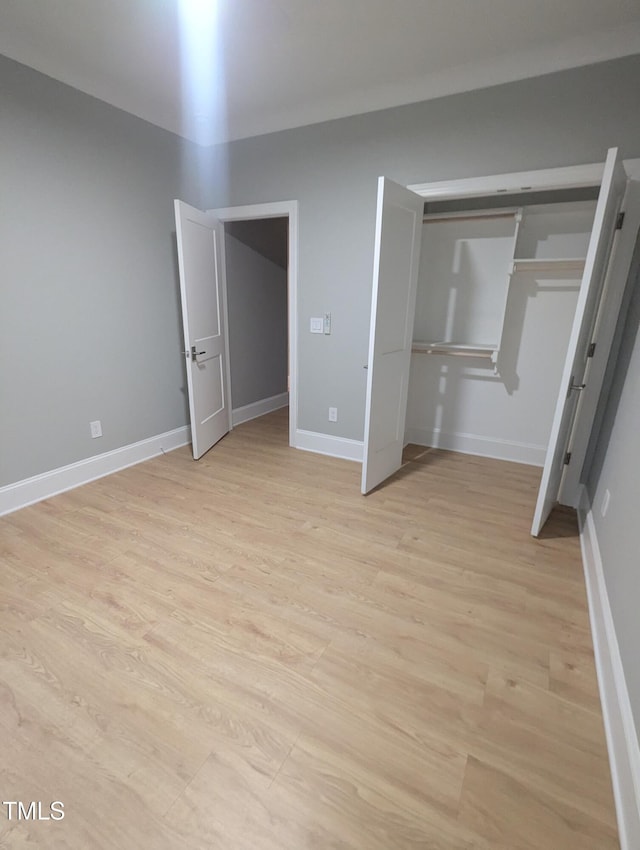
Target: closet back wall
[[463, 403]]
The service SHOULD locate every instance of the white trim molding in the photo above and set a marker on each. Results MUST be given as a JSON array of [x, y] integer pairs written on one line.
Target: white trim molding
[[473, 444], [48, 484], [259, 408], [278, 209], [569, 177], [327, 444], [620, 730], [546, 179]]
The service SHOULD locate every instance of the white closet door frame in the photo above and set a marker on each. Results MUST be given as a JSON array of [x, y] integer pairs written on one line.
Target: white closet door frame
[[517, 182], [571, 177]]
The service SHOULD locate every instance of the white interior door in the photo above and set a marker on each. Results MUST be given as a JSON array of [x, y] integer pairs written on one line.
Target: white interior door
[[575, 372], [205, 325], [395, 278]]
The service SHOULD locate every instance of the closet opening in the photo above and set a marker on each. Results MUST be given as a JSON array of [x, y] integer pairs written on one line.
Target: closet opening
[[262, 239], [256, 270], [497, 292], [486, 336]]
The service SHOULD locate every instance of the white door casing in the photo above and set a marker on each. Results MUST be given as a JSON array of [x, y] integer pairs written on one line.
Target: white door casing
[[205, 325], [395, 278], [576, 367]]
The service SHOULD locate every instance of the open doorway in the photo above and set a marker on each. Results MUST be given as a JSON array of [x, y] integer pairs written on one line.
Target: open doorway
[[260, 269], [256, 270]]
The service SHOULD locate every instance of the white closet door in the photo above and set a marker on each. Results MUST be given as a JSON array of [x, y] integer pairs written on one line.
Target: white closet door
[[395, 277], [575, 368], [205, 325]]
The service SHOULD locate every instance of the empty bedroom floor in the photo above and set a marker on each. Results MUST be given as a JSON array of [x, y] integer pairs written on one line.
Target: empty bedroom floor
[[246, 653]]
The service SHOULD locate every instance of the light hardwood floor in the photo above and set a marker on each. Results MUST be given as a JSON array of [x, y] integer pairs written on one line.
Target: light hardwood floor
[[244, 653]]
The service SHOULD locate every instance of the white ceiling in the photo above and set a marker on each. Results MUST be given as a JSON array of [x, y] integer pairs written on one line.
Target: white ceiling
[[272, 64]]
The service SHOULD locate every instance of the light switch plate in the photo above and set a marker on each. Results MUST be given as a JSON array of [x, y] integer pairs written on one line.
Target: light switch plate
[[315, 325]]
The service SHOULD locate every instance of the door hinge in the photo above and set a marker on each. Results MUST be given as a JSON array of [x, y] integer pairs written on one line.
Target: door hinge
[[591, 350], [619, 221], [567, 459]]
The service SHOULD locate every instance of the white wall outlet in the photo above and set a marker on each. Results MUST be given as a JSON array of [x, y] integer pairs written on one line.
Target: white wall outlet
[[605, 503], [327, 323], [96, 428], [333, 414], [315, 325]]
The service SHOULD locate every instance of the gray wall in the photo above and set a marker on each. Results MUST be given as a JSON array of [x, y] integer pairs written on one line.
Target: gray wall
[[89, 297], [616, 467], [257, 304], [90, 318], [332, 168]]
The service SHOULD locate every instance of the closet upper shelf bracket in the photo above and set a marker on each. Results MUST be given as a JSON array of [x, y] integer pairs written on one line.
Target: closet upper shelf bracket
[[488, 352], [547, 265]]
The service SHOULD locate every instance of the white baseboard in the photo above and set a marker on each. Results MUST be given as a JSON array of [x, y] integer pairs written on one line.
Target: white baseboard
[[326, 444], [622, 740], [39, 487], [472, 444], [259, 408]]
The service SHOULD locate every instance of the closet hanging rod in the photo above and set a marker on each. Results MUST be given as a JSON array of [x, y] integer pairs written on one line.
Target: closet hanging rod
[[453, 351], [470, 216]]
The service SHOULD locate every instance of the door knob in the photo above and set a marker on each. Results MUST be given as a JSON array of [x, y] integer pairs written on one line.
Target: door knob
[[195, 353], [573, 386]]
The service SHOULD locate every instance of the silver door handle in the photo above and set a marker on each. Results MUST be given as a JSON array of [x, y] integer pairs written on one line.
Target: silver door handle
[[195, 353], [576, 386]]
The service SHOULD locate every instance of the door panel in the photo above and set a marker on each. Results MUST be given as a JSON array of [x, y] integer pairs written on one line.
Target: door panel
[[204, 325], [206, 348], [395, 277], [211, 400], [617, 276], [575, 371], [390, 423], [396, 325]]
